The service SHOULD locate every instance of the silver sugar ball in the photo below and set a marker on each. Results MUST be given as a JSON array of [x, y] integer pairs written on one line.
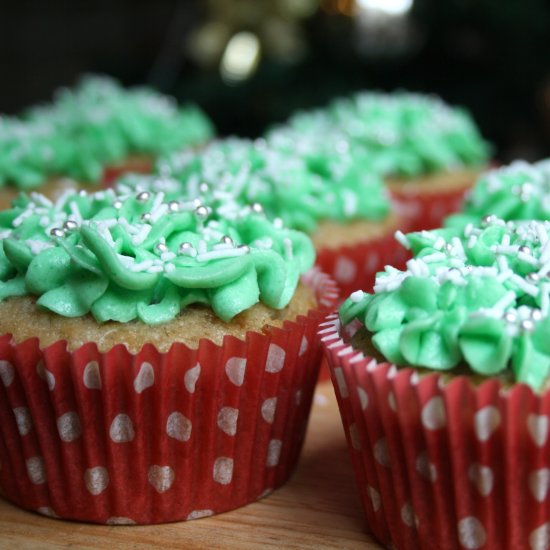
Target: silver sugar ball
[[536, 314], [510, 317], [70, 225], [244, 247], [226, 239], [486, 220], [57, 232], [527, 325], [532, 277], [117, 204], [524, 249], [201, 212], [144, 196], [185, 246], [257, 208], [173, 206], [146, 217], [161, 247], [204, 187]]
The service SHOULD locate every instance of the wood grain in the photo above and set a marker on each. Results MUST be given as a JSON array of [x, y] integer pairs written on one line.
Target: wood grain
[[318, 508]]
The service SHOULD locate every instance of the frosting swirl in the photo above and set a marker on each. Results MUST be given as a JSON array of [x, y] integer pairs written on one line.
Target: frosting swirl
[[404, 134], [301, 190], [140, 256], [520, 191], [478, 297], [96, 124]]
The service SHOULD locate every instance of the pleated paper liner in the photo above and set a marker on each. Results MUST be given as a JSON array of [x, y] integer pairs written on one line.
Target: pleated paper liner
[[156, 437], [428, 210], [443, 466]]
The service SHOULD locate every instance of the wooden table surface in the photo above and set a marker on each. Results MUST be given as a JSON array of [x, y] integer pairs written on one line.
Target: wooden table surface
[[318, 508]]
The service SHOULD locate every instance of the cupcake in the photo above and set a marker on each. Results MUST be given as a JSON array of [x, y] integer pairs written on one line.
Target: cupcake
[[428, 152], [90, 134], [157, 357], [520, 191], [342, 207], [441, 375]]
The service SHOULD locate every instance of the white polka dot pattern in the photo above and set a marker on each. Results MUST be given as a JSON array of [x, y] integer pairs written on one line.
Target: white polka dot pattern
[[537, 426], [471, 533], [23, 420], [433, 414], [122, 429], [381, 453], [345, 270], [374, 496], [222, 471], [96, 480], [227, 420], [197, 514], [7, 373], [47, 511], [341, 382], [407, 515], [540, 537], [46, 375], [269, 406], [91, 376], [145, 377], [68, 427], [161, 477], [117, 520], [273, 452], [235, 369], [303, 346], [36, 470], [191, 377], [275, 359], [363, 397], [178, 426], [482, 477], [539, 483], [486, 421], [425, 468]]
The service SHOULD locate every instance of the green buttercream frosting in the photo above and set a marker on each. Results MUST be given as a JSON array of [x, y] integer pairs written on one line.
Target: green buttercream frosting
[[478, 296], [403, 134], [520, 191], [96, 124], [124, 257], [301, 190]]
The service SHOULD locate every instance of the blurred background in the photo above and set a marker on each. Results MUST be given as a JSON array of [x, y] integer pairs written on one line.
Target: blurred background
[[251, 63]]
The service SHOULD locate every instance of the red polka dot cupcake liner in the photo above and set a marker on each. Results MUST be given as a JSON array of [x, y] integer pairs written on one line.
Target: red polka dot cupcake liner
[[443, 465], [116, 438], [428, 210], [354, 267]]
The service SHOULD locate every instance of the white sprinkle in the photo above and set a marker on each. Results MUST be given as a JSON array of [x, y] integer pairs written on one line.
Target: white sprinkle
[[219, 254], [401, 238], [357, 296], [507, 300], [287, 243], [141, 235]]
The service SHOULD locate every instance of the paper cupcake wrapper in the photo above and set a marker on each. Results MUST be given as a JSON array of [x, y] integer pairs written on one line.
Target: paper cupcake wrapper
[[443, 466], [155, 437], [427, 210], [112, 173], [354, 267]]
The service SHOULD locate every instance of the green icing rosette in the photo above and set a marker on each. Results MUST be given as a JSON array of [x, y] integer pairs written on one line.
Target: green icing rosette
[[90, 127], [404, 134], [475, 297], [520, 191], [300, 190], [143, 256]]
